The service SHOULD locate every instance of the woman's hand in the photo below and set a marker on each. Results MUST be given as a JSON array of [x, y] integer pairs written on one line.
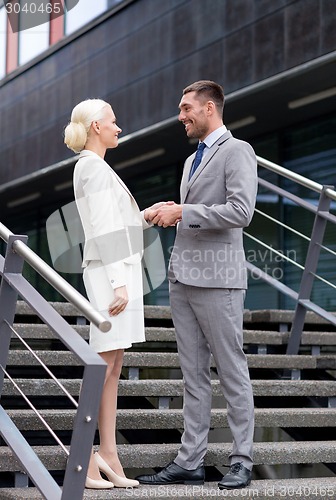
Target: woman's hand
[[120, 301], [151, 212]]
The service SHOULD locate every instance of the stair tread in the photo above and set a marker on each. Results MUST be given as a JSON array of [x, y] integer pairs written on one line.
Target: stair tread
[[174, 387], [144, 455], [163, 312], [154, 455], [61, 419], [167, 334], [67, 309], [171, 360], [308, 488], [261, 387], [285, 316]]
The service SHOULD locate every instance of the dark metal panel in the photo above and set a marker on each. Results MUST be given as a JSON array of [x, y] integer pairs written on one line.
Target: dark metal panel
[[303, 31], [141, 57], [269, 40]]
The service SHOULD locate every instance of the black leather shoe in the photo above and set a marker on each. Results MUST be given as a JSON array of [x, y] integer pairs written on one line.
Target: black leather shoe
[[237, 477], [174, 474]]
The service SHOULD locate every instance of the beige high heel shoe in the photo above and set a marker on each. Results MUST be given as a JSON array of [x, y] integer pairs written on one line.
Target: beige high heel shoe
[[98, 484], [118, 481]]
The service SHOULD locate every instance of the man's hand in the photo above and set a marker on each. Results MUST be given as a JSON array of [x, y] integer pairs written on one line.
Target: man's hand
[[120, 301], [151, 212], [168, 215]]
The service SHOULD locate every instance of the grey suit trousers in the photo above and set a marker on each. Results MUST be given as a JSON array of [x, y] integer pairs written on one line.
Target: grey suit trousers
[[210, 320]]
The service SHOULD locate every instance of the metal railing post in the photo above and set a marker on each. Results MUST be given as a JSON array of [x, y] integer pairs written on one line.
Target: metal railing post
[[307, 279], [13, 265], [8, 297], [85, 424]]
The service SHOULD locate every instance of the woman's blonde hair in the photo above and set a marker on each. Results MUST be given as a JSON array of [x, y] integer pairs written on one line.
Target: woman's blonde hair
[[76, 132]]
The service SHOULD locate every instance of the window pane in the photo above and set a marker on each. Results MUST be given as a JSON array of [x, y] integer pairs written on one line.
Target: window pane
[[34, 40], [82, 13], [3, 20]]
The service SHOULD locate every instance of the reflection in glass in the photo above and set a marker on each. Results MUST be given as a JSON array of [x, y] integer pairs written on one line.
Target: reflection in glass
[[33, 41], [82, 13]]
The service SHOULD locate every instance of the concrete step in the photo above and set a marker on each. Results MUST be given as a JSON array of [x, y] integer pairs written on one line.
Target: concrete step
[[43, 332], [68, 310], [274, 316], [278, 316], [27, 420], [307, 488], [280, 388], [158, 455], [174, 387], [161, 334], [171, 360]]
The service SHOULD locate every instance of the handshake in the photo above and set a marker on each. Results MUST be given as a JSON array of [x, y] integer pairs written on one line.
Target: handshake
[[164, 213]]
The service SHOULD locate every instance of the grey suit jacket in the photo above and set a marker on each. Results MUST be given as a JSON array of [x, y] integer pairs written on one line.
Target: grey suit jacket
[[218, 202]]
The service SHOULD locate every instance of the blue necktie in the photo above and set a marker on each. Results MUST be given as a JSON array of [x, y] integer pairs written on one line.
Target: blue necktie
[[198, 159]]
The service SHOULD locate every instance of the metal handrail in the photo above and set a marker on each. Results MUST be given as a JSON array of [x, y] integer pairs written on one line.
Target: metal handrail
[[54, 279], [37, 413], [322, 216], [13, 284], [276, 221], [271, 249], [44, 366], [287, 259], [300, 179]]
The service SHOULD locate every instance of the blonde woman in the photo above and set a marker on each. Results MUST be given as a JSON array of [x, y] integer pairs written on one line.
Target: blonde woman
[[113, 226]]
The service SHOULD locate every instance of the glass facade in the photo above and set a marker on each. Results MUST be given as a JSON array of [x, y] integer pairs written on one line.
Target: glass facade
[[83, 13], [158, 185], [33, 41], [33, 223], [309, 150]]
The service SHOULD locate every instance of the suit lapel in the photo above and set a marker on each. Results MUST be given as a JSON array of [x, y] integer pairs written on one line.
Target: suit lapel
[[185, 184], [86, 152]]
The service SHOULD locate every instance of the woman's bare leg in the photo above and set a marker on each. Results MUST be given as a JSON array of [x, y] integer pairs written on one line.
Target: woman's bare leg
[[107, 415], [108, 411]]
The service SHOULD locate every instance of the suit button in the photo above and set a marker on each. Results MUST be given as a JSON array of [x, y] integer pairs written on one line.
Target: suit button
[[112, 281]]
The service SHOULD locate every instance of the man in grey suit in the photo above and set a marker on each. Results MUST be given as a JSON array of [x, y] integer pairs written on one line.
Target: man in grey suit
[[208, 280]]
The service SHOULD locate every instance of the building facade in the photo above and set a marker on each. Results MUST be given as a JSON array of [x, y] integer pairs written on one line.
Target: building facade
[[275, 59]]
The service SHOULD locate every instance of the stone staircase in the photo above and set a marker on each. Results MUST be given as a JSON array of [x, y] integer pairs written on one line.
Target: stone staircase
[[295, 399]]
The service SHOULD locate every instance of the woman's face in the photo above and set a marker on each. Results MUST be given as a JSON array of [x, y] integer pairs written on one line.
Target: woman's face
[[108, 128]]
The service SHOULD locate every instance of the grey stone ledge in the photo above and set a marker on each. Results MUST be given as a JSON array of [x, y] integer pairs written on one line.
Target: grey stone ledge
[[163, 312], [307, 488], [163, 334], [174, 387], [285, 316], [171, 360], [158, 455], [27, 420]]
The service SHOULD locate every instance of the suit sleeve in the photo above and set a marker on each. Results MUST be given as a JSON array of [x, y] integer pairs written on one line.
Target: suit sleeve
[[109, 232], [239, 194]]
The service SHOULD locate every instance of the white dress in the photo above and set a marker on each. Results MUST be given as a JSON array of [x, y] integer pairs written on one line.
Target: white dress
[[113, 226]]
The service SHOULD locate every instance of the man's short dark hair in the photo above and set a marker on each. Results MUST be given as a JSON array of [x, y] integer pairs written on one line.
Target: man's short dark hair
[[208, 90]]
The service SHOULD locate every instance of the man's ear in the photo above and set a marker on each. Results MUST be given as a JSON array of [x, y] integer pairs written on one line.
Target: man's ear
[[210, 108]]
